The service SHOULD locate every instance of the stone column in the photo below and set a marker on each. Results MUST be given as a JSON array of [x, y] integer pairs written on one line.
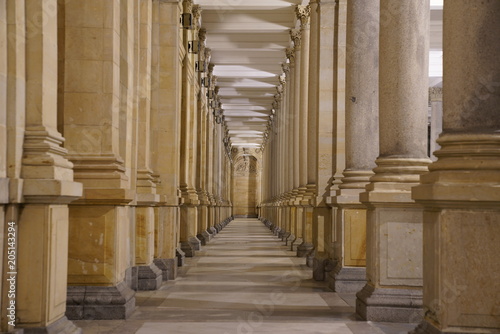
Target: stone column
[[460, 194], [361, 145], [98, 118], [40, 175], [324, 133], [149, 276], [189, 212], [291, 212], [304, 211], [165, 131], [338, 133], [296, 210], [393, 291], [436, 100]]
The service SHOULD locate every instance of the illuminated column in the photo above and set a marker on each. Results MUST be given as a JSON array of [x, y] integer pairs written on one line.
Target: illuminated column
[[393, 291], [325, 58], [362, 144], [166, 90], [460, 194], [189, 211]]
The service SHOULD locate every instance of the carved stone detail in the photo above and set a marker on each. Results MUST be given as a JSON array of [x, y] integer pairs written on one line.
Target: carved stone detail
[[303, 14], [435, 93], [202, 34], [296, 35], [290, 54], [286, 67], [197, 15]]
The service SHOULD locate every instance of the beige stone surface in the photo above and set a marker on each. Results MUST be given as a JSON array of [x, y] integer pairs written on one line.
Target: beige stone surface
[[42, 267], [354, 237], [99, 252]]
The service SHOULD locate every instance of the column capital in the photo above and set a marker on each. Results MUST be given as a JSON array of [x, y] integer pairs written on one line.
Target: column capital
[[303, 14], [295, 35], [282, 79], [202, 34], [197, 15], [290, 54], [435, 94], [286, 69]]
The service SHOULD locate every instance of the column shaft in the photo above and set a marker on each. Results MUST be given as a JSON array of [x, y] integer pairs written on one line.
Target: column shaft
[[394, 222], [460, 194]]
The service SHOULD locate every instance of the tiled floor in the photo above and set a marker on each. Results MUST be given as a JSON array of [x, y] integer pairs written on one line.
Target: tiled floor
[[244, 281]]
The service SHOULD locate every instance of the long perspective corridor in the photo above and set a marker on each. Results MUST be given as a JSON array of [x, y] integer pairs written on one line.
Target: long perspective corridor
[[250, 166], [246, 281]]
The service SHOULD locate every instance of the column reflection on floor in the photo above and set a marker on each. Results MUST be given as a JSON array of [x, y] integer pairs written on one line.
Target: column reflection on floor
[[244, 281]]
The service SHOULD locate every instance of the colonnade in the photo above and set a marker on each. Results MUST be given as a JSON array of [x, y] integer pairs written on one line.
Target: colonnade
[[347, 178], [114, 160]]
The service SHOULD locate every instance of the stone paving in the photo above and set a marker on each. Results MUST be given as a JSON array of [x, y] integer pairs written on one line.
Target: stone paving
[[244, 281]]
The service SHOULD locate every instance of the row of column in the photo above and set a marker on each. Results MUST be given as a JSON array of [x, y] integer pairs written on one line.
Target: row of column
[[114, 165], [410, 237]]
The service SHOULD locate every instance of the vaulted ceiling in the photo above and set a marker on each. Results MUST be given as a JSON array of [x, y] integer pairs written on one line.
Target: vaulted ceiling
[[248, 39]]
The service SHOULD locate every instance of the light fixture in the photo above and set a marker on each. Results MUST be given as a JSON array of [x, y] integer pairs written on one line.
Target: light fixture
[[200, 66], [194, 46], [205, 82], [210, 94], [187, 20]]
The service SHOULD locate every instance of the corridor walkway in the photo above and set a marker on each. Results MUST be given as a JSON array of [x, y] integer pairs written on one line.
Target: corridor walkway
[[244, 281]]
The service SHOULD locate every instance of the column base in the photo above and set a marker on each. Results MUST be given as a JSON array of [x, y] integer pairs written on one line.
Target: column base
[[187, 249], [389, 304], [213, 231], [61, 326], [168, 268], [100, 302], [321, 266], [305, 249], [347, 279], [203, 239], [180, 256], [146, 278], [285, 236], [290, 240], [195, 243], [296, 243]]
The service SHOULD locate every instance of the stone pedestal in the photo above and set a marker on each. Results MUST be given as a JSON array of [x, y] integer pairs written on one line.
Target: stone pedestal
[[180, 256], [100, 302], [344, 279], [168, 268], [146, 277]]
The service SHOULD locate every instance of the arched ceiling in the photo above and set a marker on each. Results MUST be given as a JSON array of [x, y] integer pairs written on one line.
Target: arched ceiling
[[248, 39]]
